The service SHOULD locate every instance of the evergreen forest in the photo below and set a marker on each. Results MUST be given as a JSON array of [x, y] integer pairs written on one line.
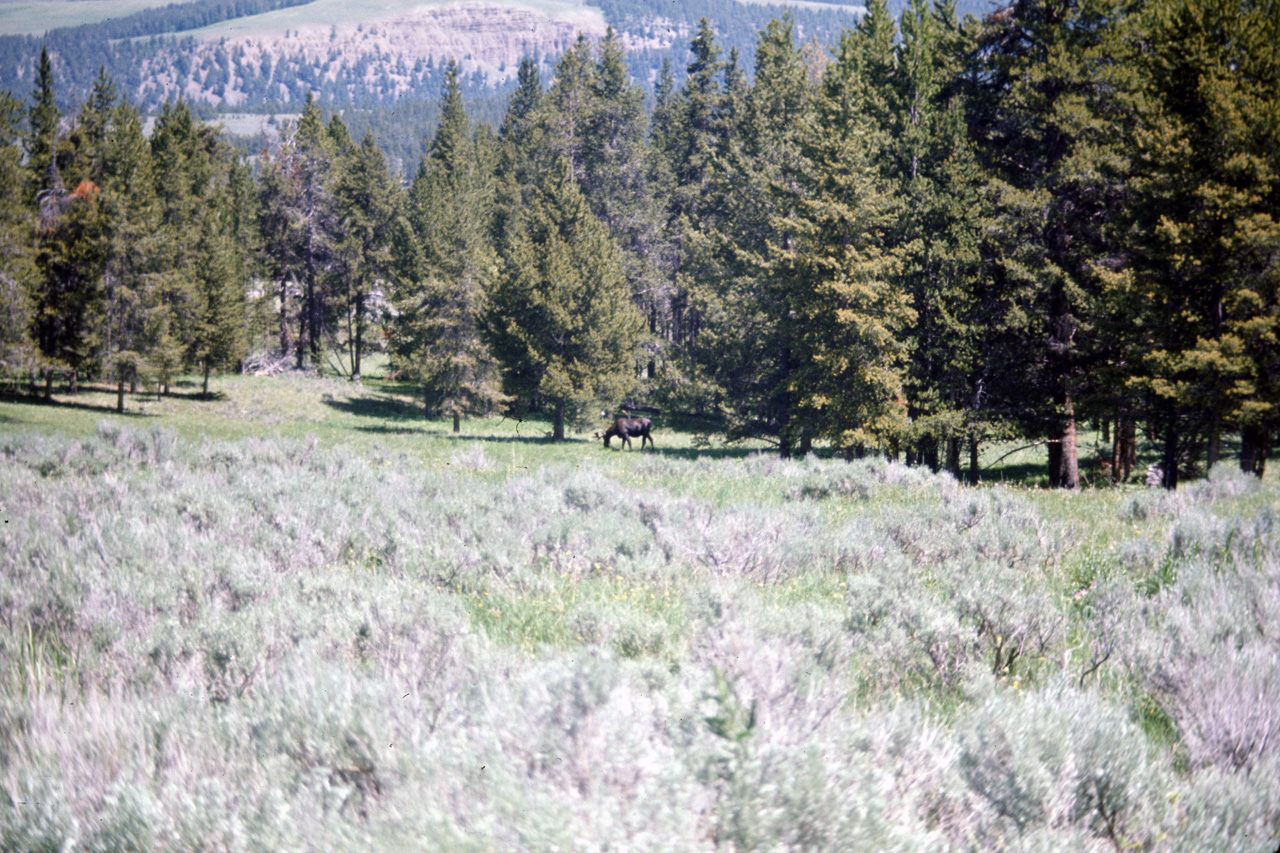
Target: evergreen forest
[[922, 238]]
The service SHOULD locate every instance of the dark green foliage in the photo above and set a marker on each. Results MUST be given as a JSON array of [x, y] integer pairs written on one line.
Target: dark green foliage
[[839, 276], [562, 321], [1204, 213], [442, 302], [42, 139], [18, 353], [1046, 112], [133, 270], [70, 244], [370, 207], [743, 352]]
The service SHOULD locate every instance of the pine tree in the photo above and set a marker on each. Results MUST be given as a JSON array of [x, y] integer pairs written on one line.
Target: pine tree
[[197, 315], [18, 275], [182, 175], [938, 230], [520, 142], [310, 160], [1046, 106], [1201, 292], [569, 107], [847, 381], [441, 309], [136, 252], [744, 376], [42, 140], [562, 321], [691, 131], [370, 207], [71, 246], [218, 340], [698, 129], [618, 183]]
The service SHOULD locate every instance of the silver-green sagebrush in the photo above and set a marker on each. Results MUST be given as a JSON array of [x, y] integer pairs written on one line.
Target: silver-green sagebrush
[[275, 644]]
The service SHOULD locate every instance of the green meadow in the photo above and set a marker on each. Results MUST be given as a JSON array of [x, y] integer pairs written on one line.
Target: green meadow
[[33, 17], [296, 614]]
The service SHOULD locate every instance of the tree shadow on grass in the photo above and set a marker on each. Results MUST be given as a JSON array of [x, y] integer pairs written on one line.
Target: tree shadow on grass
[[406, 418], [106, 409], [510, 439], [1020, 474], [189, 396], [383, 429], [381, 406]]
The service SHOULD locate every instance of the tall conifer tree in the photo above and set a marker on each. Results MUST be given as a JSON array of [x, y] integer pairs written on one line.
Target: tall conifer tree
[[370, 208], [1045, 109], [1202, 289], [438, 340], [562, 320], [18, 275], [136, 252], [847, 383]]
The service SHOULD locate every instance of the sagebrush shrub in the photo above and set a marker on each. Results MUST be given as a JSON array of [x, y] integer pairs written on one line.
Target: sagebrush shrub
[[266, 644]]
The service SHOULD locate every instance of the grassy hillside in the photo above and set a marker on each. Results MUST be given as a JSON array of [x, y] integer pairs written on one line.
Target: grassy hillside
[[296, 616], [34, 17]]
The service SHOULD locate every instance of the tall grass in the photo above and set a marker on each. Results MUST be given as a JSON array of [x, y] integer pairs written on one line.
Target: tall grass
[[277, 643]]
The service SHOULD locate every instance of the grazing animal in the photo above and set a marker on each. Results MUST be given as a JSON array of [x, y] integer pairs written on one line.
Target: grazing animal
[[629, 428]]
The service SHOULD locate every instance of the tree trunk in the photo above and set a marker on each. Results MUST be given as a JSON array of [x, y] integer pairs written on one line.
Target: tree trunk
[[355, 370], [204, 391], [1054, 451], [558, 431], [1070, 478], [301, 345], [284, 317], [1130, 454], [73, 384], [457, 423], [929, 453], [1254, 448], [1213, 451], [120, 394], [48, 385], [351, 333], [1118, 474], [973, 459], [953, 456], [313, 300], [1170, 480]]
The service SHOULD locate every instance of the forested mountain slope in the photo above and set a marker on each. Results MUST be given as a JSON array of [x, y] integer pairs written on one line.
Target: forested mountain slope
[[270, 54]]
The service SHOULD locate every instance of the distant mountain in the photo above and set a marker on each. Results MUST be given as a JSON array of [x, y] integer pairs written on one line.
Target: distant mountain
[[267, 55]]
